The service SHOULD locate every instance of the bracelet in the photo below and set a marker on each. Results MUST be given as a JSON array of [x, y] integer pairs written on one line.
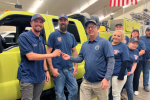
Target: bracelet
[[46, 71]]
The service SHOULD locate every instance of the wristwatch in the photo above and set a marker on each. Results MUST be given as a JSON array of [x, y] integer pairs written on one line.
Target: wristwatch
[[46, 70]]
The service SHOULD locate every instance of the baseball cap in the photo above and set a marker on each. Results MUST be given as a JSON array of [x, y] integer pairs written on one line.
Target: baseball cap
[[135, 30], [148, 28], [63, 15], [37, 16], [134, 40], [90, 21], [119, 24]]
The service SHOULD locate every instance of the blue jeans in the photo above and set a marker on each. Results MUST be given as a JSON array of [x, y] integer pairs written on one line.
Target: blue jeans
[[65, 79], [129, 87], [145, 66]]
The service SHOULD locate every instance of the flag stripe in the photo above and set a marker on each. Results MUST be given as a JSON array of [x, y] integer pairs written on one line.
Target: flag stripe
[[131, 2], [135, 1], [127, 2], [122, 2], [114, 2], [110, 3], [118, 2]]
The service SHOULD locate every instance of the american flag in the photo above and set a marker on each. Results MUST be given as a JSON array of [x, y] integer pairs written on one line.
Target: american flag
[[117, 3]]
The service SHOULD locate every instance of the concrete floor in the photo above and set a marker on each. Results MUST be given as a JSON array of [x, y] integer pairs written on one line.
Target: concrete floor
[[142, 94]]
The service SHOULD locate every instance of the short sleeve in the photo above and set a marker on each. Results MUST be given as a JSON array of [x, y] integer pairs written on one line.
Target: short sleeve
[[125, 53], [74, 41], [24, 45], [51, 40], [137, 53], [44, 43], [108, 49], [142, 45], [110, 38], [127, 39]]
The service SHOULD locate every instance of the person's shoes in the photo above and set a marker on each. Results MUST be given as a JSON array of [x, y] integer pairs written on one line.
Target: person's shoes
[[123, 96], [136, 92], [146, 89]]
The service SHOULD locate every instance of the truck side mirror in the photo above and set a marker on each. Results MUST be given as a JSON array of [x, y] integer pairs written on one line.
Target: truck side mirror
[[1, 44]]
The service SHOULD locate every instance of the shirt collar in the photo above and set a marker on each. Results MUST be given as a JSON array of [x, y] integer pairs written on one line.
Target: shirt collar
[[95, 40], [32, 34]]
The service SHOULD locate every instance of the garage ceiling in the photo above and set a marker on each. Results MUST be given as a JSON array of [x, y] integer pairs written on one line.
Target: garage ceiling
[[56, 7]]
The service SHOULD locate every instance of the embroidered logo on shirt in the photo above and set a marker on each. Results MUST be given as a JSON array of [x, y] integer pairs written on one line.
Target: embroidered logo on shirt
[[97, 47], [136, 57], [125, 41], [34, 45], [59, 39], [116, 52]]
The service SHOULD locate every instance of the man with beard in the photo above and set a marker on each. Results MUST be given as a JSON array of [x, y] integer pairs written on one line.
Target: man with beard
[[145, 63], [63, 71], [33, 68]]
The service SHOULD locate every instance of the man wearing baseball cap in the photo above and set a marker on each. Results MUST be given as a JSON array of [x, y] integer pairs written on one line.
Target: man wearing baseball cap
[[119, 26], [33, 69], [63, 71], [99, 64], [145, 63]]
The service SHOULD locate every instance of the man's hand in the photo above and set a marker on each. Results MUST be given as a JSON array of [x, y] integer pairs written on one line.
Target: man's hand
[[74, 72], [104, 84], [55, 72], [148, 59], [65, 56], [56, 53], [129, 73], [47, 77]]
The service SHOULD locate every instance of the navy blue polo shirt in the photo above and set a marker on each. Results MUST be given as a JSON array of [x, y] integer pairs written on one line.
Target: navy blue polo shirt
[[31, 71], [95, 54], [126, 41], [65, 42], [121, 54], [140, 47], [133, 58], [146, 40]]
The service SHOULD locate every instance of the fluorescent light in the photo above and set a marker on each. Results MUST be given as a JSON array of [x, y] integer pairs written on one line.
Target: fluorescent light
[[128, 5], [85, 6], [90, 3], [105, 16], [36, 6]]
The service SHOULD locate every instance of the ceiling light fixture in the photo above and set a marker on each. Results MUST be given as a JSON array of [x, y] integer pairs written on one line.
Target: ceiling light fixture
[[86, 6], [105, 16], [36, 6]]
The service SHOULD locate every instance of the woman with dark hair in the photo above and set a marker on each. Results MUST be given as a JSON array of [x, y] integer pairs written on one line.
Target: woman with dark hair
[[132, 63], [141, 47]]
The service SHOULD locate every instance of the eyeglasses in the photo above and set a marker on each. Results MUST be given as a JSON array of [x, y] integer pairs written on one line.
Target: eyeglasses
[[92, 27]]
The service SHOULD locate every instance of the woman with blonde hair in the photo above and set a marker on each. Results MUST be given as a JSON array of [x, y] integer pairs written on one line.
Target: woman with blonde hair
[[121, 55]]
